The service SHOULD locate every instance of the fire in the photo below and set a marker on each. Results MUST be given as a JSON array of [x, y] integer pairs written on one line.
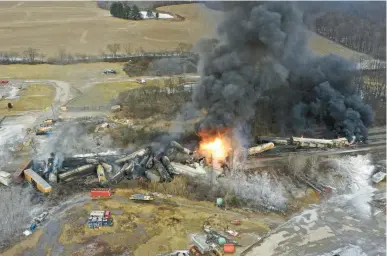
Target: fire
[[214, 147]]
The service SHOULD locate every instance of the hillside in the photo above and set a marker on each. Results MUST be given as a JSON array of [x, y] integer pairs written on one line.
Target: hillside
[[83, 28]]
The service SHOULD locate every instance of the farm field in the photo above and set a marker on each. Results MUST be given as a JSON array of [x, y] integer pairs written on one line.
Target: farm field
[[34, 97], [82, 27]]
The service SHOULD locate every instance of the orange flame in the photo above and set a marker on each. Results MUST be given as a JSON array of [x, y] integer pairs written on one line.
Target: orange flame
[[214, 147]]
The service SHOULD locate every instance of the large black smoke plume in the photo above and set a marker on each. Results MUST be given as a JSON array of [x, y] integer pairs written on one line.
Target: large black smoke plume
[[261, 55]]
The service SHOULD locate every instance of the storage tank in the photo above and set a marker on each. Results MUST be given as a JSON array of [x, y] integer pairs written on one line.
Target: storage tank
[[260, 148]]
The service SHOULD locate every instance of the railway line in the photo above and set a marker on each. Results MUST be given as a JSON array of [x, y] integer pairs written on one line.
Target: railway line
[[281, 154]]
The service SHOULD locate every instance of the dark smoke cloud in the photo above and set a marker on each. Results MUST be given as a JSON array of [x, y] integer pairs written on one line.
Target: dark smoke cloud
[[263, 46]]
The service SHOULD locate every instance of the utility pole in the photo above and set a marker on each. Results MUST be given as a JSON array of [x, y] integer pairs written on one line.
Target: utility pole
[[53, 114], [212, 169]]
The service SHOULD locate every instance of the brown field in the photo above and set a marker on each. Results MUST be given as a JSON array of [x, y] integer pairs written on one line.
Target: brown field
[[82, 27]]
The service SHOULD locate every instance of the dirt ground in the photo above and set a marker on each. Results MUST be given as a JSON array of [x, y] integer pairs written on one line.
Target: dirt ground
[[142, 228]]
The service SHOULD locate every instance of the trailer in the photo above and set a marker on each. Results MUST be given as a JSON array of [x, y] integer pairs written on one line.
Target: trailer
[[101, 192], [142, 197]]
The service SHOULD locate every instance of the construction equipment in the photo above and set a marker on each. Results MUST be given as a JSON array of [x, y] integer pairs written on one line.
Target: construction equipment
[[202, 247], [41, 218], [213, 237], [141, 197]]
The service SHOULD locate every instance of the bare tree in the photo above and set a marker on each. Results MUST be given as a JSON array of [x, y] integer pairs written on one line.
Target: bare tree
[[140, 50], [114, 48], [128, 49], [31, 54], [184, 47], [13, 56], [62, 55]]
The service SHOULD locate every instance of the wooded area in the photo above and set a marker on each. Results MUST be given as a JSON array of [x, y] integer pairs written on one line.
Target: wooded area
[[359, 34]]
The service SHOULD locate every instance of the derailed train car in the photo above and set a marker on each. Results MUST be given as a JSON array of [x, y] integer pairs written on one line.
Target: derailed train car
[[301, 142], [37, 181]]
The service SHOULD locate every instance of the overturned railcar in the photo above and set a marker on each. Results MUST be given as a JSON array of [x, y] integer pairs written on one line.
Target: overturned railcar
[[301, 142], [37, 181]]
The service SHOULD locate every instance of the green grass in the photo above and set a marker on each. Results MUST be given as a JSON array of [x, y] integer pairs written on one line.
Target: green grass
[[76, 72], [102, 93], [34, 97], [323, 46]]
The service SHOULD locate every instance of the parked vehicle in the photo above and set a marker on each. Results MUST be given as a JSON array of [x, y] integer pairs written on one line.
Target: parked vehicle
[[142, 197], [41, 218], [4, 81], [109, 71], [140, 81], [30, 230]]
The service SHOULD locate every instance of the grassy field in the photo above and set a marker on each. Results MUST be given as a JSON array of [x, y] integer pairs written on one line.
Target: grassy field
[[102, 93], [146, 229], [82, 27], [324, 46], [34, 97], [78, 72]]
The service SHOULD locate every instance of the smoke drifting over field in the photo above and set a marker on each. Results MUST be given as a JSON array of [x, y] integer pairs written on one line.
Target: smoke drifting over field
[[262, 47]]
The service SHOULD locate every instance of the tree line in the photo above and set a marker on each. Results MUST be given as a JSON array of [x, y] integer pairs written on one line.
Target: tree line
[[113, 52], [359, 34], [125, 11]]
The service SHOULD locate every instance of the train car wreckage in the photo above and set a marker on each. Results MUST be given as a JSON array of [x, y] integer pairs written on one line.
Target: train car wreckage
[[162, 166]]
